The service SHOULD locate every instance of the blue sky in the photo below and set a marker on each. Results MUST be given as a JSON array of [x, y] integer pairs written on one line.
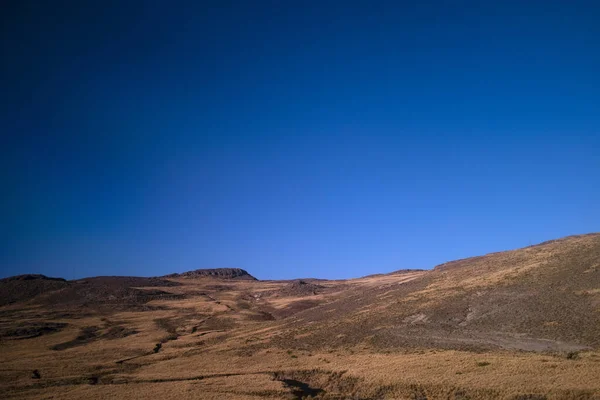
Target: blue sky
[[293, 139]]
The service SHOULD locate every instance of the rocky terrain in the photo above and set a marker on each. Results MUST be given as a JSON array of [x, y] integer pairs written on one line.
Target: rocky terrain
[[521, 324], [223, 273]]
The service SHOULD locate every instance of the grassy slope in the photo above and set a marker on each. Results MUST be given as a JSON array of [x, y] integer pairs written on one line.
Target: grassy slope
[[498, 326]]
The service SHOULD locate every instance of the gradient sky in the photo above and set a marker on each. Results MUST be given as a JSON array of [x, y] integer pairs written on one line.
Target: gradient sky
[[293, 139]]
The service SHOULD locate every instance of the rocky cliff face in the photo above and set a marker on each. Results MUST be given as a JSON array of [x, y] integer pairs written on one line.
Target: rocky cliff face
[[222, 273]]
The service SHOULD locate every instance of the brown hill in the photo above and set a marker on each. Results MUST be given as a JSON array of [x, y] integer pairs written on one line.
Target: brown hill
[[25, 287], [88, 292], [544, 297], [112, 291]]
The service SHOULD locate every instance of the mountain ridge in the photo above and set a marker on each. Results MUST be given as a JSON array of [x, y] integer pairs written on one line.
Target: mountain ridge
[[239, 273]]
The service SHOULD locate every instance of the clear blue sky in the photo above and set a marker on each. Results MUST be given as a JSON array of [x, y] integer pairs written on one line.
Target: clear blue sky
[[293, 139]]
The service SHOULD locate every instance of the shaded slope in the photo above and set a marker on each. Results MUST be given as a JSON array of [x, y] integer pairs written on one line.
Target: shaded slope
[[110, 290], [25, 287], [88, 292]]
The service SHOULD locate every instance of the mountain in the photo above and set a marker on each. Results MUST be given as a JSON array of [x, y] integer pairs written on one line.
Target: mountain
[[519, 324], [221, 273]]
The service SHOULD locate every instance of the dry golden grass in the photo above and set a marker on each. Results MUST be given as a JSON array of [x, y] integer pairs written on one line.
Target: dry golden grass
[[218, 372], [397, 336]]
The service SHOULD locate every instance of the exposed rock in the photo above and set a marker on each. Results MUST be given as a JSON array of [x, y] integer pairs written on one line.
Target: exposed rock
[[221, 273]]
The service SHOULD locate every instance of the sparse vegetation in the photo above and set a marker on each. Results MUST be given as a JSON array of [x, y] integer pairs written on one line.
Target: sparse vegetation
[[572, 355], [157, 347], [93, 380], [480, 328]]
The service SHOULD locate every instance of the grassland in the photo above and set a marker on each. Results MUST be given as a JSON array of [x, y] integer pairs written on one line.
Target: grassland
[[523, 324]]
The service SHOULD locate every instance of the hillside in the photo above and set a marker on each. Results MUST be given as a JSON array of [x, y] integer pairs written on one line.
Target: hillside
[[25, 287], [544, 297], [520, 324]]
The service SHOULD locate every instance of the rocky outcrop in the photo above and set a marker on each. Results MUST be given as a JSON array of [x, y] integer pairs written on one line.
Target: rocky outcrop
[[221, 273]]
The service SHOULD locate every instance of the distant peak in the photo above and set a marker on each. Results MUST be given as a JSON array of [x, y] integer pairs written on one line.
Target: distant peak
[[221, 273], [31, 277]]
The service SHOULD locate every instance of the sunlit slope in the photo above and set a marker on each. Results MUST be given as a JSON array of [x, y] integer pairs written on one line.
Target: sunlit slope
[[544, 297]]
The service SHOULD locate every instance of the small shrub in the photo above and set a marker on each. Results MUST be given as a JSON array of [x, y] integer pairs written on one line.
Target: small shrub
[[530, 396], [483, 364], [572, 355], [169, 337], [157, 347], [417, 393], [461, 395]]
